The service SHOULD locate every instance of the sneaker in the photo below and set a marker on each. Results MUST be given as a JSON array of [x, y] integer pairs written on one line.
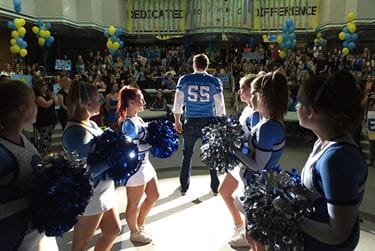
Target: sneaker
[[141, 237], [183, 192], [238, 230], [239, 241], [215, 192]]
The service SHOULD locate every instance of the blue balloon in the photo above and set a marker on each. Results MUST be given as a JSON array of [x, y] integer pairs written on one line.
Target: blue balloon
[[40, 23], [345, 29], [351, 45], [121, 43], [289, 22], [48, 26], [50, 40], [112, 51], [292, 36], [106, 33], [345, 44], [23, 45], [119, 32], [317, 29], [10, 25], [114, 38], [289, 44], [19, 41], [354, 37], [322, 42], [285, 36], [17, 5], [285, 29], [283, 45], [348, 37]]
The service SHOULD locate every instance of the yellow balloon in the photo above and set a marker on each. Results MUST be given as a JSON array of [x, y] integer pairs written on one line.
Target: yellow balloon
[[23, 52], [42, 33], [13, 41], [21, 31], [342, 35], [16, 48], [316, 41], [319, 35], [41, 41], [351, 27], [47, 33], [17, 22], [279, 39], [15, 34], [111, 30], [109, 44], [351, 16], [345, 51], [35, 29], [282, 54], [23, 22], [11, 49], [116, 45]]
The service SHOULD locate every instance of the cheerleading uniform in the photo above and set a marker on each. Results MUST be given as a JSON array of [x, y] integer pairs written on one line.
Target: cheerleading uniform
[[335, 175], [248, 119], [80, 138], [18, 165], [266, 145], [135, 128]]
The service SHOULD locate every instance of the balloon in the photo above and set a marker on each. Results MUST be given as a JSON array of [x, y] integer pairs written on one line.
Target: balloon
[[35, 29], [15, 34], [16, 48], [47, 33], [13, 41], [17, 5], [354, 37], [279, 39], [23, 52], [285, 29], [345, 44], [11, 49], [316, 41], [317, 29], [291, 29], [109, 44], [48, 26], [116, 45], [111, 30], [345, 30], [106, 33], [285, 36], [289, 22], [119, 32], [42, 33], [50, 40], [348, 37], [345, 51], [22, 21], [41, 41], [114, 38], [283, 45], [121, 43], [342, 35], [24, 45], [319, 35], [351, 46], [40, 23], [21, 31], [352, 28], [289, 44], [351, 16], [19, 41], [11, 25], [292, 36], [282, 54]]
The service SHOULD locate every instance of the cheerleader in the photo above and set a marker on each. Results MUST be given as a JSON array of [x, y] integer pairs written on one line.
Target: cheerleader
[[144, 181], [248, 118], [335, 172], [79, 136], [18, 164], [269, 95]]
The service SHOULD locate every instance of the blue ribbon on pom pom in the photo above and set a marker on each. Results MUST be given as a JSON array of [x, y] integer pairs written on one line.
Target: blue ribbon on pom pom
[[220, 140], [119, 152], [163, 138], [59, 193]]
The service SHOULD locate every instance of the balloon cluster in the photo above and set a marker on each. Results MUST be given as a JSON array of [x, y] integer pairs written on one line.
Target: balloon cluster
[[274, 202], [163, 138], [349, 35], [319, 41], [113, 41], [43, 34], [287, 40], [17, 6], [18, 44], [220, 142], [59, 193]]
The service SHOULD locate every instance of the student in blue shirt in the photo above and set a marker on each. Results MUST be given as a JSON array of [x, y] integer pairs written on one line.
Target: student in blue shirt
[[201, 95], [335, 172]]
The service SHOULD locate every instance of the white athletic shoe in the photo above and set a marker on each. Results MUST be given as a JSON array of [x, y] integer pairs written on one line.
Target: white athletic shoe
[[141, 237], [239, 241]]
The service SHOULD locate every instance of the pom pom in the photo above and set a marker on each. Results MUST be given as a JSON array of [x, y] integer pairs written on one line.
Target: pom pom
[[273, 202], [119, 152], [221, 139], [59, 193], [163, 138]]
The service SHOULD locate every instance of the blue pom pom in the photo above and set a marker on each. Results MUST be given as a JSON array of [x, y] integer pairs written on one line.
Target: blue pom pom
[[59, 193], [120, 153], [163, 138]]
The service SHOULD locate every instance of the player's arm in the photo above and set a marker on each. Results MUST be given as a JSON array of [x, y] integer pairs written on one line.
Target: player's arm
[[177, 106], [219, 99]]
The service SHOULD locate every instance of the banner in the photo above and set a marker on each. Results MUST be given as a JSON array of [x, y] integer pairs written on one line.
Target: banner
[[61, 64], [23, 78], [371, 125], [271, 14], [156, 16]]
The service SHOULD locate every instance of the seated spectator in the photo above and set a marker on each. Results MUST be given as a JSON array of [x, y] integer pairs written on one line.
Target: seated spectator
[[160, 103], [167, 82]]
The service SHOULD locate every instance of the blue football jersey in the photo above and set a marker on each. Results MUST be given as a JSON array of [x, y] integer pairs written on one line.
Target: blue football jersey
[[199, 90]]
